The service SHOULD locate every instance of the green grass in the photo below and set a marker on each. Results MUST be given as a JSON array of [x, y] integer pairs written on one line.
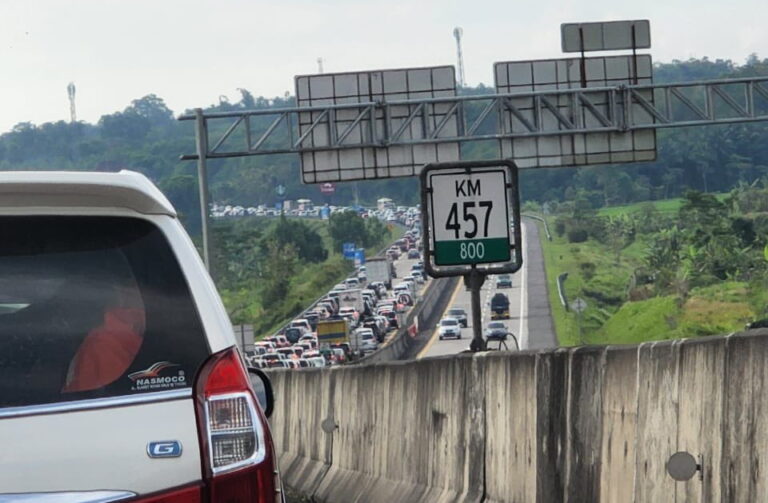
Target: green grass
[[713, 310], [604, 290], [717, 309], [663, 206], [635, 322]]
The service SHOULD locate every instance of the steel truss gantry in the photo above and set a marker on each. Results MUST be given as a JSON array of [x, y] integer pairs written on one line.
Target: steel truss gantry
[[559, 112]]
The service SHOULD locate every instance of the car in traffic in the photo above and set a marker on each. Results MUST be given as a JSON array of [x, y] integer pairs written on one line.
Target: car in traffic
[[368, 342], [303, 324], [120, 379], [293, 334], [504, 281], [405, 299], [449, 328], [459, 314], [392, 319], [499, 307], [413, 253], [496, 330], [281, 341]]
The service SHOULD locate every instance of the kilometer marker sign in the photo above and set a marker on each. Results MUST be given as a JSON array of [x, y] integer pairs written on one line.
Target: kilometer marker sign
[[470, 216]]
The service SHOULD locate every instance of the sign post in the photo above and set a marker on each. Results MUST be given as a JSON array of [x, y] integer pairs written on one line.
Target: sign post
[[471, 225]]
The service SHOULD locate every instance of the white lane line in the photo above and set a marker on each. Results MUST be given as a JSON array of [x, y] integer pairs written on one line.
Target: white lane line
[[523, 293]]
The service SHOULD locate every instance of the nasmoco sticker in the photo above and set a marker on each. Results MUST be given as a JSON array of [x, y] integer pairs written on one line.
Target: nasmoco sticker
[[159, 376]]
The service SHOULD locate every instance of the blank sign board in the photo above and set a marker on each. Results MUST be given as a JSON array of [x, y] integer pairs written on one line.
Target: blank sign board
[[609, 36], [364, 163], [573, 149]]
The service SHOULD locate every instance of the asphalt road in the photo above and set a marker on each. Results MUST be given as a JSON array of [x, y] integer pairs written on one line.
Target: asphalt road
[[530, 319]]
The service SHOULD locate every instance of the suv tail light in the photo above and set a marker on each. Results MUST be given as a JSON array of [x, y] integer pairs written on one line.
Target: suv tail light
[[238, 462]]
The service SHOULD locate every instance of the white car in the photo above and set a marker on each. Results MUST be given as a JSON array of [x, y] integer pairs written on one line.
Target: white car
[[119, 375], [449, 327], [302, 324], [368, 338]]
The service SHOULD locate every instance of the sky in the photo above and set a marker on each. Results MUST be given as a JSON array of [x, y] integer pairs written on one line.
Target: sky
[[191, 52]]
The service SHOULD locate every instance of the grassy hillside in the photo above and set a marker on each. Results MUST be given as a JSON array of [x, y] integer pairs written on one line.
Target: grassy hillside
[[244, 271], [622, 310], [594, 275], [664, 206]]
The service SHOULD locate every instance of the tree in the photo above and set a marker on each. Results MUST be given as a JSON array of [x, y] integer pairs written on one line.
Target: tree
[[305, 240], [153, 109], [279, 267], [129, 126], [347, 227], [375, 232]]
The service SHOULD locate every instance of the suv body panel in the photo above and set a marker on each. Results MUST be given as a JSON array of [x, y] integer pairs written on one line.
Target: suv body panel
[[75, 445], [115, 462]]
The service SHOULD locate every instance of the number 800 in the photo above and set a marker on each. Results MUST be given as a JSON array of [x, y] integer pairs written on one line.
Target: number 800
[[471, 251]]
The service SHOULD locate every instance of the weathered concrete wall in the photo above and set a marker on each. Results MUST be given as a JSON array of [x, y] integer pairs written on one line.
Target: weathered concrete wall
[[593, 424]]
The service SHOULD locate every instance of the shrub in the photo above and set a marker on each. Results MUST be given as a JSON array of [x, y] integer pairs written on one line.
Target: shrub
[[587, 270], [577, 235], [560, 227]]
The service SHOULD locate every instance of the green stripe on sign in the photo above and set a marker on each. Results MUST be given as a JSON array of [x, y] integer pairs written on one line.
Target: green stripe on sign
[[472, 251]]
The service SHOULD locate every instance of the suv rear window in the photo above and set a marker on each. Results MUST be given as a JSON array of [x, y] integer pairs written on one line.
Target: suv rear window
[[92, 307]]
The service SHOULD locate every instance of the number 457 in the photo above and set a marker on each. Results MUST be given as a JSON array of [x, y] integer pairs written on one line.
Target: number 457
[[452, 224]]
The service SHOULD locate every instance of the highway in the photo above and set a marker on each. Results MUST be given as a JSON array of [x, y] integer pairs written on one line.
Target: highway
[[530, 320], [403, 269]]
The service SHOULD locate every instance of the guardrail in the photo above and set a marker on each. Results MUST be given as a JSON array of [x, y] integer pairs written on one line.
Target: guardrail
[[561, 290], [542, 219]]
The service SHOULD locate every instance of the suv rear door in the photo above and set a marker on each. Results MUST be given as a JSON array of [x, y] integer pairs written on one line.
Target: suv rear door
[[100, 341]]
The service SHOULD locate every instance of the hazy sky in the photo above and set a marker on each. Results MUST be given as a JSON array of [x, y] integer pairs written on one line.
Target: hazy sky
[[189, 52]]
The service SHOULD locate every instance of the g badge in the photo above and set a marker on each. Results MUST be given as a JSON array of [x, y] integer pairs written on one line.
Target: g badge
[[165, 449]]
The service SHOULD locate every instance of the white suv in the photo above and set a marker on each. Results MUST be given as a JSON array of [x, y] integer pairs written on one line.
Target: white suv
[[119, 375]]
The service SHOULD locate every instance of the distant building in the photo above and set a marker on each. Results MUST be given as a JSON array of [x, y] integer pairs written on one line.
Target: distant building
[[304, 204]]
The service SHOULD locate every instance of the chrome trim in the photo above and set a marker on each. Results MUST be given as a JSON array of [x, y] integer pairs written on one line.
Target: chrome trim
[[96, 403], [68, 497]]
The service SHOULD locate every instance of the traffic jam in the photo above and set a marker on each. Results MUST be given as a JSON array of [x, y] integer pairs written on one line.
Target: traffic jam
[[355, 318]]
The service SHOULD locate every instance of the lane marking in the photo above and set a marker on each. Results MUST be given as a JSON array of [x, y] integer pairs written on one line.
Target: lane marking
[[523, 337], [433, 338]]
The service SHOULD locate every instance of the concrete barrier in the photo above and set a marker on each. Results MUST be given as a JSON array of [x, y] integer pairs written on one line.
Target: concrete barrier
[[593, 424], [302, 402]]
